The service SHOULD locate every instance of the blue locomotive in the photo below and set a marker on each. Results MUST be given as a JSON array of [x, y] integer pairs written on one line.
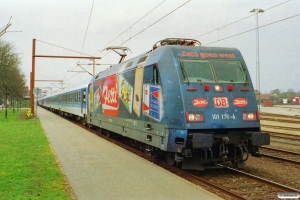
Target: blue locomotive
[[195, 105]]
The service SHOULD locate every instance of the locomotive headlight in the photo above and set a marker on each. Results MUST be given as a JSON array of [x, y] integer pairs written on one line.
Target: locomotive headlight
[[249, 116], [191, 117], [194, 117]]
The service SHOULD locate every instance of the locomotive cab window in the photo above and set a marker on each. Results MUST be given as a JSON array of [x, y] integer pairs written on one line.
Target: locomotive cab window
[[155, 76], [196, 71], [229, 71]]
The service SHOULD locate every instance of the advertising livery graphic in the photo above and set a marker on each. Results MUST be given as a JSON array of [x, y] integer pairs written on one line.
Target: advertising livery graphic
[[138, 89], [125, 93], [109, 97], [152, 101], [97, 94], [91, 100]]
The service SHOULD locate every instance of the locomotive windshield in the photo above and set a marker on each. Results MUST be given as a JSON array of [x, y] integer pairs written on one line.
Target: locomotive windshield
[[197, 71], [203, 71], [229, 71]]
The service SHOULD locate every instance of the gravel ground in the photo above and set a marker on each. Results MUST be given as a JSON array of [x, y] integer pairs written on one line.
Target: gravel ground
[[278, 171]]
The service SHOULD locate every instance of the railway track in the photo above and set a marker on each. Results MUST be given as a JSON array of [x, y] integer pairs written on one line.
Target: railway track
[[227, 183], [281, 127], [279, 116], [280, 154], [281, 119], [284, 136]]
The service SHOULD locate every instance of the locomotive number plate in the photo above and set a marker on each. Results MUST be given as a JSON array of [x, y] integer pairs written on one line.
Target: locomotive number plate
[[221, 102]]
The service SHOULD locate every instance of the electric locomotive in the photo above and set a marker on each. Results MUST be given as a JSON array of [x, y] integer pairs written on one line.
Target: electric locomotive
[[195, 105]]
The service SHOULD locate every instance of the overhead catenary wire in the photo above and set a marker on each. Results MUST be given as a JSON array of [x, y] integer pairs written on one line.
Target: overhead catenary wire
[[44, 76], [132, 25], [239, 20], [152, 24], [84, 35], [144, 29], [155, 22], [87, 27], [122, 34], [198, 36], [253, 29], [63, 48]]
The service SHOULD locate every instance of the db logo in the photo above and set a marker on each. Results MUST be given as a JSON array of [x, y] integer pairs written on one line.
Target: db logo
[[221, 102], [240, 102], [200, 102]]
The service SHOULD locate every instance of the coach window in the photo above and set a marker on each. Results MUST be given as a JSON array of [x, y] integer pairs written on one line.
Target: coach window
[[155, 75]]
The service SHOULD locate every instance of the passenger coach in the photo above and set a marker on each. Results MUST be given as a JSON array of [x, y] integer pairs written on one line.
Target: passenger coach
[[70, 102]]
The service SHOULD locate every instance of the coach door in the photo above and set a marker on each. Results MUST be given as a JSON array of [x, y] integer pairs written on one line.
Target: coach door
[[83, 102]]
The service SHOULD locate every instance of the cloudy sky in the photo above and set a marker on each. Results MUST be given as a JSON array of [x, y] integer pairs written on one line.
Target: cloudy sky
[[72, 27]]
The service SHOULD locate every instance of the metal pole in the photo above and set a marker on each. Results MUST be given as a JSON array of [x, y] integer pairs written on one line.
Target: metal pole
[[37, 95], [93, 67], [32, 78], [257, 56], [257, 61]]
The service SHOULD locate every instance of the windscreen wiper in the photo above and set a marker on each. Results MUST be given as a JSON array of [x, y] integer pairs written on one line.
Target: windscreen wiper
[[185, 76]]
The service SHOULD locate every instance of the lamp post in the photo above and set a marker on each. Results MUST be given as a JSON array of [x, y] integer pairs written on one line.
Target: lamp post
[[256, 10]]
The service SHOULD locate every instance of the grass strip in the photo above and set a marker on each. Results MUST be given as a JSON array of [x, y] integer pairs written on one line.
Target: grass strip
[[28, 169]]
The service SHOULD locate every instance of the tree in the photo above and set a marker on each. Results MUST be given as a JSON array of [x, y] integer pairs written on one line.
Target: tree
[[276, 93], [12, 80]]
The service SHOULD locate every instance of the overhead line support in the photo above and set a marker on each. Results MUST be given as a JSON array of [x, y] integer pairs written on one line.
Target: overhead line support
[[32, 77]]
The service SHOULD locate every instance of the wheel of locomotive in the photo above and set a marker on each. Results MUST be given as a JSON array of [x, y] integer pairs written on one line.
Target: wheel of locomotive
[[99, 130], [170, 158], [133, 142], [141, 146], [107, 133]]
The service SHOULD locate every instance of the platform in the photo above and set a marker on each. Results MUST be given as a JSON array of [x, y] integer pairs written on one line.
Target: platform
[[291, 110], [98, 169]]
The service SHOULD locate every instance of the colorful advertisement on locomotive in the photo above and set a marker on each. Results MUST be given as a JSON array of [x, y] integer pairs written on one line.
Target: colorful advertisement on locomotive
[[115, 95]]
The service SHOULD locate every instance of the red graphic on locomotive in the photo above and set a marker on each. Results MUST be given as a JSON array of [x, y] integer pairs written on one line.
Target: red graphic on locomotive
[[221, 102], [110, 97], [200, 102], [240, 102]]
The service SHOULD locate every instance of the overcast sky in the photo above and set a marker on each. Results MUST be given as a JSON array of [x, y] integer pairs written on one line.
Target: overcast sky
[[88, 26]]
